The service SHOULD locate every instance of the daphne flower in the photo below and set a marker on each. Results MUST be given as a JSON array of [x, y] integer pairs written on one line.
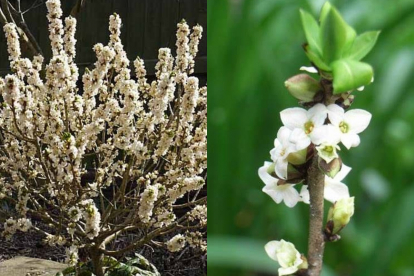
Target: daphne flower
[[72, 255], [286, 255], [285, 192], [283, 147], [176, 243], [350, 123], [334, 189], [327, 137], [303, 122]]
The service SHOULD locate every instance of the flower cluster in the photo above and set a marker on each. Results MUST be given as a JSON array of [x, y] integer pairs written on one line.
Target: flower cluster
[[321, 128], [72, 255], [55, 25], [11, 226], [13, 45], [176, 243], [112, 156]]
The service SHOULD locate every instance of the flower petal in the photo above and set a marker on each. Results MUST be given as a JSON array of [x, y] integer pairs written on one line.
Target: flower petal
[[335, 114], [294, 117], [342, 173], [291, 196], [335, 191], [309, 69], [272, 248], [281, 168], [317, 114], [299, 139], [350, 140], [283, 135], [277, 143], [274, 192], [273, 154], [326, 134], [265, 176], [358, 120], [304, 194]]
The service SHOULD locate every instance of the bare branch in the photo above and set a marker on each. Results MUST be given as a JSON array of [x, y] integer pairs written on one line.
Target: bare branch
[[34, 5], [77, 8], [27, 36], [8, 13], [3, 19], [6, 10], [316, 243]]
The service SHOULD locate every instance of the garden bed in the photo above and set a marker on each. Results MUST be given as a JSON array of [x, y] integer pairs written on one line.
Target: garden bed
[[188, 262]]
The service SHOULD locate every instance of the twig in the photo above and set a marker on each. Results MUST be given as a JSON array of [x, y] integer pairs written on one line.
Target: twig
[[34, 5], [77, 8], [316, 243]]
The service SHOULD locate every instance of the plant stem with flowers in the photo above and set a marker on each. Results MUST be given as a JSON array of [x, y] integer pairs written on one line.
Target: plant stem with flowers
[[306, 147]]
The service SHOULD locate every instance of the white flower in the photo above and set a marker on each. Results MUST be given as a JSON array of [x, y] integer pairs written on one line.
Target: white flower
[[286, 255], [72, 255], [303, 122], [176, 243], [334, 189], [24, 224], [350, 123], [327, 137], [148, 198], [283, 147], [309, 69], [75, 214], [285, 192]]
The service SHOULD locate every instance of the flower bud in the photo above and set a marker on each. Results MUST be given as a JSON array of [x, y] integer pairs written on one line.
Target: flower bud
[[332, 168], [340, 213], [303, 87], [327, 152], [298, 158], [285, 253], [293, 174]]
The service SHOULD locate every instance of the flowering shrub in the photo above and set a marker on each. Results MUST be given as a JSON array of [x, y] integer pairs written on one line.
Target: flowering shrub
[[107, 158], [306, 148]]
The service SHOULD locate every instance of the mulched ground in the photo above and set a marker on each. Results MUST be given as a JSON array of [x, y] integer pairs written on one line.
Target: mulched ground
[[188, 262]]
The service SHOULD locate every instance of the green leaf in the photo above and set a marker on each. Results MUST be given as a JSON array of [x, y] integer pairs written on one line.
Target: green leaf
[[336, 35], [350, 74], [363, 45], [242, 253], [324, 11], [122, 270], [349, 41], [311, 28], [316, 59]]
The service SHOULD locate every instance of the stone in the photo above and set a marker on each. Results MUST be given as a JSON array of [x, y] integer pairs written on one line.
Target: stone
[[24, 266]]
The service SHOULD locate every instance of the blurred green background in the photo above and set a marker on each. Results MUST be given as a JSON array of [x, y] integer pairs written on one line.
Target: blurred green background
[[254, 46]]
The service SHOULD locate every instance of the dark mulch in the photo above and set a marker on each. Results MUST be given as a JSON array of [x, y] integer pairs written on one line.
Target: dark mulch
[[189, 262], [29, 245]]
